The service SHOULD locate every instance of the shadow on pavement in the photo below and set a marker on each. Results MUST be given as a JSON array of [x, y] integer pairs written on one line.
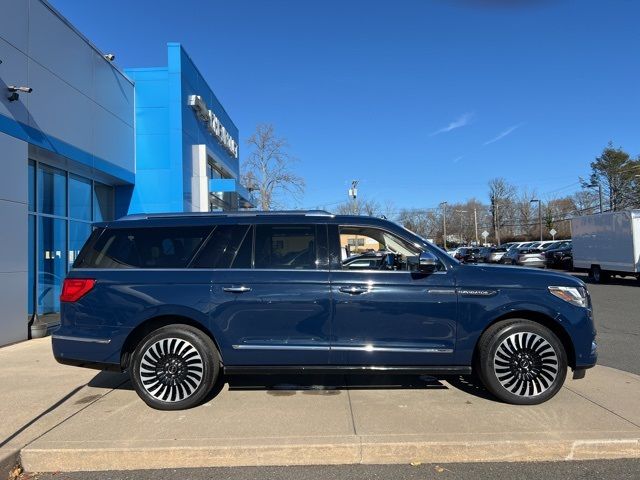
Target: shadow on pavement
[[311, 383], [315, 384], [42, 414], [472, 385], [106, 379], [623, 281]]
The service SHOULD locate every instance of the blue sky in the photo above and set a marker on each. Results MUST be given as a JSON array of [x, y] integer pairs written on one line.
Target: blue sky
[[421, 100]]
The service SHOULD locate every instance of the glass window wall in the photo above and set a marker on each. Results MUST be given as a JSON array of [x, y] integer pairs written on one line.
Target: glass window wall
[[52, 191], [52, 265], [79, 198], [62, 207]]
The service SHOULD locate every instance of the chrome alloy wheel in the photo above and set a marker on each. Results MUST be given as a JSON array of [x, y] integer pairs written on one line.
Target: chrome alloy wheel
[[171, 369], [525, 364]]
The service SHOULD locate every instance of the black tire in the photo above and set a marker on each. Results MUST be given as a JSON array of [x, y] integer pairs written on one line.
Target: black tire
[[521, 362], [597, 275], [175, 367]]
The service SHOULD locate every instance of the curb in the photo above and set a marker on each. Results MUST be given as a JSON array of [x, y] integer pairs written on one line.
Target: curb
[[9, 459], [84, 459]]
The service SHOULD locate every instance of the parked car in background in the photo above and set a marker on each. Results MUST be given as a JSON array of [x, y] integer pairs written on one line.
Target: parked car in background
[[467, 254], [542, 244], [524, 255], [497, 253], [510, 256], [484, 254], [561, 256], [549, 245], [531, 257]]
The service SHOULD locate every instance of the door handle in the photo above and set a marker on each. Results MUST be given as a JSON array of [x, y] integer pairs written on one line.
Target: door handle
[[353, 290], [242, 289]]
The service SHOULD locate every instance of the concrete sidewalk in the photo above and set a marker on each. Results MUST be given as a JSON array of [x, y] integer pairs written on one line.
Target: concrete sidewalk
[[70, 419]]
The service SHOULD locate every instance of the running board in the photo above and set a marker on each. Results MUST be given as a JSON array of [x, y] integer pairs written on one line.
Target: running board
[[345, 369]]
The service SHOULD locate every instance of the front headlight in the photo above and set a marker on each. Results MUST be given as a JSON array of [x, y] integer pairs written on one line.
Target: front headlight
[[576, 295]]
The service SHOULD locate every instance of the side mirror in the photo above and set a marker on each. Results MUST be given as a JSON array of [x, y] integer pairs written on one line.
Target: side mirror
[[428, 262]]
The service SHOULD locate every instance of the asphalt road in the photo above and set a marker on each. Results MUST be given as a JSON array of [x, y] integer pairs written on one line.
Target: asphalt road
[[584, 470], [616, 307]]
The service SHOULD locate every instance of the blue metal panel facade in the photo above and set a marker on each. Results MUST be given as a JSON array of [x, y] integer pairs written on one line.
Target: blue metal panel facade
[[168, 129], [194, 130]]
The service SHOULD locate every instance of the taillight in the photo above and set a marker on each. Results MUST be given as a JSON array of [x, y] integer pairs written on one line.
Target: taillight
[[73, 289]]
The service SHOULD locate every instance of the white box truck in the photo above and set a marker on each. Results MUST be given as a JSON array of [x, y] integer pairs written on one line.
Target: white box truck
[[607, 244]]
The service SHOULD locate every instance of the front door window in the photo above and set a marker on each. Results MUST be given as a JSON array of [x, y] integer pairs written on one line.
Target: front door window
[[367, 248]]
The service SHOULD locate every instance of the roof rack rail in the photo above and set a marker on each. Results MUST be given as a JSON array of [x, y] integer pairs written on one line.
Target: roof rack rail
[[246, 213]]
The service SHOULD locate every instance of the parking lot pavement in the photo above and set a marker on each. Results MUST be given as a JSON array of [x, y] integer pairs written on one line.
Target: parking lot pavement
[[617, 314], [339, 420], [37, 394]]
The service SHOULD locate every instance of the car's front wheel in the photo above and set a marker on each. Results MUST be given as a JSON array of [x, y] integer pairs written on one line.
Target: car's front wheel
[[521, 362], [175, 367]]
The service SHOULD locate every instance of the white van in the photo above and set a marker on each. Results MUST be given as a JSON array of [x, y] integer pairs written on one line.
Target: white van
[[607, 244]]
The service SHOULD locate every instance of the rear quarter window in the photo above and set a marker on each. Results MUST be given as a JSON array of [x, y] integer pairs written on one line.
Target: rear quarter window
[[148, 247]]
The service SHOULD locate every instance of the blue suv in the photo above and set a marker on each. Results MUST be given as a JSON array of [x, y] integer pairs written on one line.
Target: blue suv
[[179, 299]]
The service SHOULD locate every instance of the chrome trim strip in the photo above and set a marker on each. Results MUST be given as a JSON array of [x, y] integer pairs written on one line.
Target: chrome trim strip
[[361, 348], [370, 348], [281, 347], [442, 291], [103, 341]]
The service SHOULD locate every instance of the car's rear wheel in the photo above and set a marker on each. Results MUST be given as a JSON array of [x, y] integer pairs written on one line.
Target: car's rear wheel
[[597, 275], [521, 362], [175, 367]]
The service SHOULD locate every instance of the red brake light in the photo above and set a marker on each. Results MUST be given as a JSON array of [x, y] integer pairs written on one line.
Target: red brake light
[[73, 289]]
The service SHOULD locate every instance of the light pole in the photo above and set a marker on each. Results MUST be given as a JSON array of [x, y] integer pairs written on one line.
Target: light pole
[[444, 223], [460, 212], [496, 221], [475, 223], [353, 193], [539, 214], [599, 185]]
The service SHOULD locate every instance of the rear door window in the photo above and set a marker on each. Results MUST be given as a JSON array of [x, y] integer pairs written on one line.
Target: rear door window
[[228, 247], [151, 247], [286, 247]]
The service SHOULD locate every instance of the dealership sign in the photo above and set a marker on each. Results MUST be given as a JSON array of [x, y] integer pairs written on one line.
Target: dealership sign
[[214, 125]]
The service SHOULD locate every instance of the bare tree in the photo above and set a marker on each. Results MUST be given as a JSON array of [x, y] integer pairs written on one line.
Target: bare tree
[[359, 207], [584, 201], [426, 223], [501, 195], [267, 169], [388, 209], [558, 212]]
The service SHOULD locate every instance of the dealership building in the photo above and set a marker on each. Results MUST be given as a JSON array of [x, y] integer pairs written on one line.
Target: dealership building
[[82, 141]]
